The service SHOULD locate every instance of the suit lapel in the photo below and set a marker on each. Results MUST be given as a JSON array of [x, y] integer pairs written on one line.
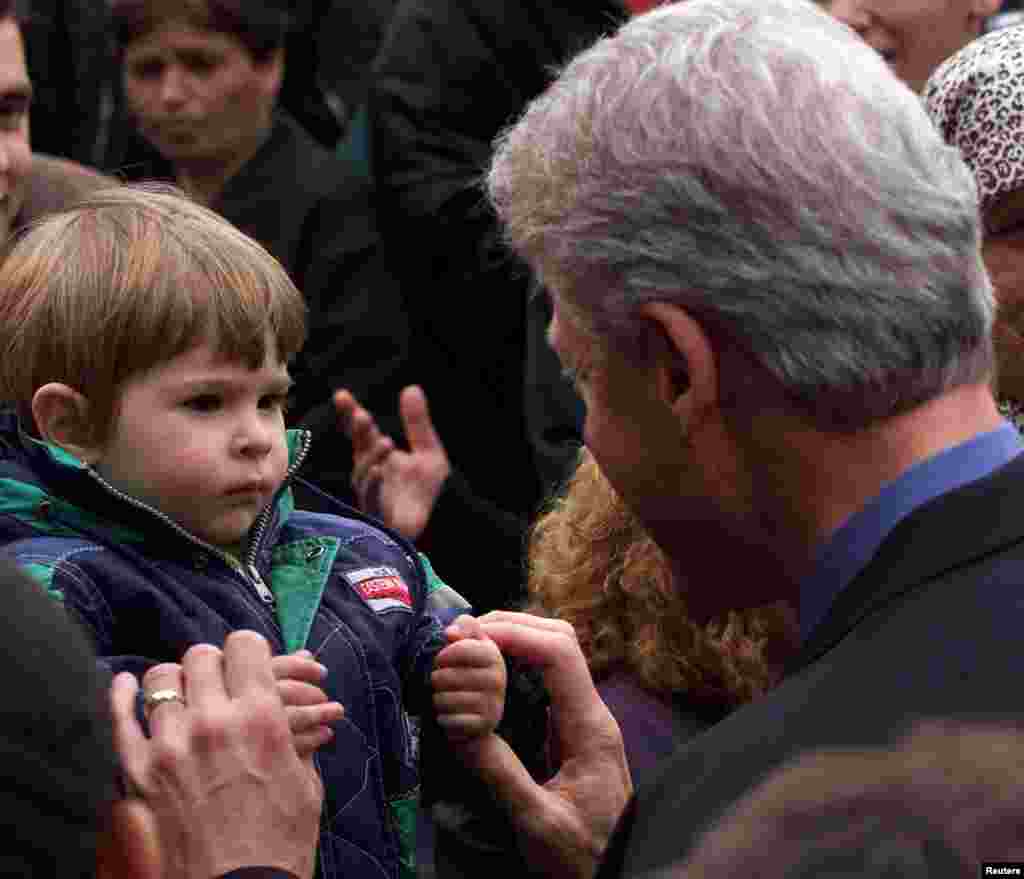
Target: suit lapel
[[944, 534]]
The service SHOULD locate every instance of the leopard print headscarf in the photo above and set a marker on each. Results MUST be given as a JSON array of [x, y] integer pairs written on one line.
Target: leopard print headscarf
[[976, 99]]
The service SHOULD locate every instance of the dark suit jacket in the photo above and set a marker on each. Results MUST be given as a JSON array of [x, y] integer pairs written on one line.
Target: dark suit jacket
[[932, 627]]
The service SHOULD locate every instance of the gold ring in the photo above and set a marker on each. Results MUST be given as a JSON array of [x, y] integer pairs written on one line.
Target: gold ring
[[161, 697]]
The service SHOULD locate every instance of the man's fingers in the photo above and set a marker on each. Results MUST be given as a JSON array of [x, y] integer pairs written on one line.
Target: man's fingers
[[202, 674], [163, 713], [554, 650], [419, 428], [131, 743], [358, 423], [369, 493], [247, 664], [465, 626], [369, 458], [345, 406], [529, 620]]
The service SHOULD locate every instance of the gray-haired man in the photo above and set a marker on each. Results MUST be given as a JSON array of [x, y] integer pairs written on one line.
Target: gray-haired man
[[765, 271]]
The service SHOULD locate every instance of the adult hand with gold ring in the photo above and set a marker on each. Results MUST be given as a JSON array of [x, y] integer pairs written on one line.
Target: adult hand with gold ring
[[220, 772], [159, 697]]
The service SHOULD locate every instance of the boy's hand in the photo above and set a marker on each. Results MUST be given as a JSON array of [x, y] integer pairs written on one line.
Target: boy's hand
[[398, 487], [309, 713], [469, 681]]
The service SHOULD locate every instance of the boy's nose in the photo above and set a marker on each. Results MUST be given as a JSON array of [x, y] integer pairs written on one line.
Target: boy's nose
[[255, 437]]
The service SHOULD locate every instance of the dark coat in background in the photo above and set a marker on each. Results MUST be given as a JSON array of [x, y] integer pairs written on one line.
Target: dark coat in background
[[449, 76], [72, 69]]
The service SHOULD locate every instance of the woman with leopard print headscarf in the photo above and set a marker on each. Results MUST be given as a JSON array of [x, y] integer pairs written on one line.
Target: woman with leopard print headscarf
[[976, 98]]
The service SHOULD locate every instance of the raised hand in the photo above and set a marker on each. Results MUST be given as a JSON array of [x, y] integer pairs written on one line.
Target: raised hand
[[399, 487]]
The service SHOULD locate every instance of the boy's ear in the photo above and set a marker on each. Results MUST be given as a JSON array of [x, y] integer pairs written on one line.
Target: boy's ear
[[62, 417]]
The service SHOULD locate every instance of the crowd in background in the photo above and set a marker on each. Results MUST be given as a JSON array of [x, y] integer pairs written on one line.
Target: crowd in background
[[354, 141]]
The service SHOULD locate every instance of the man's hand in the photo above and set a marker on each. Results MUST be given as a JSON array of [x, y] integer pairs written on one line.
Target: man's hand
[[563, 825], [469, 682], [310, 715], [221, 772], [398, 487]]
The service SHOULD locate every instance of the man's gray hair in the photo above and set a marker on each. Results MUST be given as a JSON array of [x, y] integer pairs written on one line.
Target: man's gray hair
[[754, 162]]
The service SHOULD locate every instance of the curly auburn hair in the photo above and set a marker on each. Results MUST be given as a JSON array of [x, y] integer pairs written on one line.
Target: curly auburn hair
[[592, 563]]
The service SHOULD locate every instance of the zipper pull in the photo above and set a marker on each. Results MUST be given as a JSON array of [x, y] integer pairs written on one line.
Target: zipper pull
[[266, 596]]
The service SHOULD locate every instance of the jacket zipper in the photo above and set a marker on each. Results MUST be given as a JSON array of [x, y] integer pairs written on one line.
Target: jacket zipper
[[246, 569]]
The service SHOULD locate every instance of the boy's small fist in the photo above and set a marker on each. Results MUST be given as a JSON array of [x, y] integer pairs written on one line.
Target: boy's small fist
[[469, 681]]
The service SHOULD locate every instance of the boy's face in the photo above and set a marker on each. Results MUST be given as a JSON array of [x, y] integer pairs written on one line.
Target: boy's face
[[202, 439]]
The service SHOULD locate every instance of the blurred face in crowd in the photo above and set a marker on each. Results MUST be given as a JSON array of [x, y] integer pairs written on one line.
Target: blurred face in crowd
[[198, 95], [15, 98], [914, 36]]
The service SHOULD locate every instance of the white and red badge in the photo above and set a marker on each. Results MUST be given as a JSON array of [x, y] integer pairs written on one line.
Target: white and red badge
[[382, 588]]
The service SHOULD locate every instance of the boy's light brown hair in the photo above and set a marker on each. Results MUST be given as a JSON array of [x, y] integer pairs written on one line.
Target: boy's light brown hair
[[128, 279]]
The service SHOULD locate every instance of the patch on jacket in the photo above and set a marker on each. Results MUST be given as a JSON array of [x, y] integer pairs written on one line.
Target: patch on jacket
[[382, 588]]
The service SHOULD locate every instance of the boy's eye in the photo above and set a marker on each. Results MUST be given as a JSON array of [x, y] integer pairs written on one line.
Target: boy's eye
[[203, 402]]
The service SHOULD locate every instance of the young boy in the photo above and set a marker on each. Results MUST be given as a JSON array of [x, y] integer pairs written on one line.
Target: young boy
[[145, 481]]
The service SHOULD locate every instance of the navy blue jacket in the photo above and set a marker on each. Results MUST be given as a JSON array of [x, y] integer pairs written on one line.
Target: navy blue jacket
[[357, 596]]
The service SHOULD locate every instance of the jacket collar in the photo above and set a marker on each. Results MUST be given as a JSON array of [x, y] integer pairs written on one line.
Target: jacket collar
[[949, 532]]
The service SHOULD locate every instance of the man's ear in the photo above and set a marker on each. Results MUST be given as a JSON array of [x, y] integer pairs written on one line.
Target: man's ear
[[688, 377], [62, 417], [129, 847]]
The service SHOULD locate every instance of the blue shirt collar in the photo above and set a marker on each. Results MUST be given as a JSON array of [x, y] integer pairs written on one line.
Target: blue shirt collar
[[847, 552]]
